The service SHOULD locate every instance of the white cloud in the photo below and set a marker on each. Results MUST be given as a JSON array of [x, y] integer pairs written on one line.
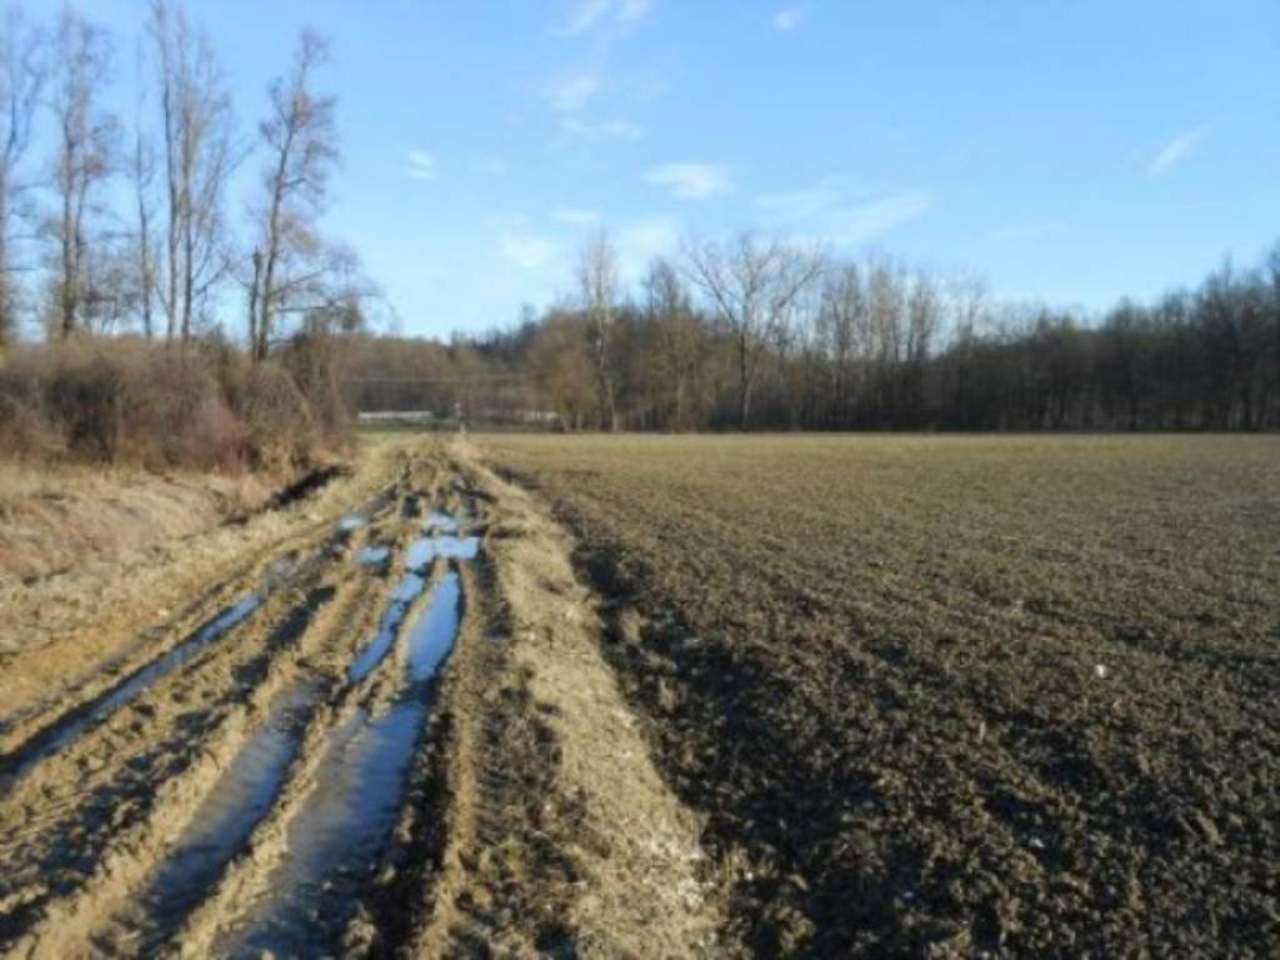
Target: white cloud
[[602, 130], [586, 15], [527, 248], [802, 204], [1175, 150], [638, 243], [692, 181], [492, 167], [576, 217], [845, 219], [421, 165], [629, 11], [570, 92], [867, 221], [589, 15], [787, 19], [1027, 232]]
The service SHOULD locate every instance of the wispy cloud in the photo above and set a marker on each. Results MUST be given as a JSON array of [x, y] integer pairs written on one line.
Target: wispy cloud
[[570, 92], [421, 165], [527, 248], [691, 181], [629, 11], [847, 219], [787, 19], [602, 130], [492, 167], [589, 15], [802, 204], [866, 221], [575, 216], [1177, 149], [638, 243], [1027, 232]]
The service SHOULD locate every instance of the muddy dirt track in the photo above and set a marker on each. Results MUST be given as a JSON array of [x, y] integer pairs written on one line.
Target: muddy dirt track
[[387, 729]]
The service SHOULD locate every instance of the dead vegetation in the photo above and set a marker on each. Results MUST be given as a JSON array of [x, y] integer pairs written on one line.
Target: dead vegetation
[[1010, 696], [124, 402]]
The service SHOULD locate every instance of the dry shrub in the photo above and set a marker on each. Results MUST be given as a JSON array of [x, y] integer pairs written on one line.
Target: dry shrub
[[23, 434], [313, 363], [278, 418], [130, 401]]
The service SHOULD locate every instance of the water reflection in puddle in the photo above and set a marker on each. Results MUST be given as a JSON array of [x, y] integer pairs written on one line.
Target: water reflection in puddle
[[374, 556], [408, 590], [62, 734], [335, 840], [226, 817]]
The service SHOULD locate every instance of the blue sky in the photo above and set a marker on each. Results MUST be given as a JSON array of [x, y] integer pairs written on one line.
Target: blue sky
[[1067, 151]]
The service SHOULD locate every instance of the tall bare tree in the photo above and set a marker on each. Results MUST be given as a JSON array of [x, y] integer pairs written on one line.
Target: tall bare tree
[[752, 287], [142, 174], [302, 148], [598, 283], [677, 340], [85, 138], [22, 75], [199, 157]]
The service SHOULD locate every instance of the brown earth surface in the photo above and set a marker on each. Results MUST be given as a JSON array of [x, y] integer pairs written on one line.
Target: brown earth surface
[[1013, 696], [331, 731]]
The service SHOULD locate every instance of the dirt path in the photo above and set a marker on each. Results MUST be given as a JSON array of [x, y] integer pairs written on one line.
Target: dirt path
[[381, 724]]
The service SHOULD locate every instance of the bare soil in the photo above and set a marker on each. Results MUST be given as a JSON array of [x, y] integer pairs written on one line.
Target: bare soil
[[525, 818], [1010, 696]]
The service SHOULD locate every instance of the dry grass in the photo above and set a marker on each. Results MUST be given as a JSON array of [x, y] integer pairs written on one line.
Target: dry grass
[[57, 516], [1013, 694]]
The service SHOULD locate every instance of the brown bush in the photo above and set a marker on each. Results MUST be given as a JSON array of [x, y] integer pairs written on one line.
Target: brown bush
[[126, 400], [23, 434], [279, 420]]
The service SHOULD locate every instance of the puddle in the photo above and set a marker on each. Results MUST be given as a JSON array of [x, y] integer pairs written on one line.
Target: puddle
[[68, 730], [440, 522], [422, 551], [419, 554], [352, 522], [408, 590], [373, 556], [335, 840], [226, 817]]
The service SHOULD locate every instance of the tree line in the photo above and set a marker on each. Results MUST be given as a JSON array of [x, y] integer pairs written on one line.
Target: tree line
[[124, 223], [761, 334]]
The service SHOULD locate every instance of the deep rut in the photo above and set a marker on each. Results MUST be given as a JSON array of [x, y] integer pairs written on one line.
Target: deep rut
[[394, 736], [267, 743]]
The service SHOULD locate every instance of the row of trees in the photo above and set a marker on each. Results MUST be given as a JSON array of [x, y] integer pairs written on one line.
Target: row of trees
[[170, 259], [752, 334]]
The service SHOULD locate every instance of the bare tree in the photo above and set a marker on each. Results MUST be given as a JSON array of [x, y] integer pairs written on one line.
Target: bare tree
[[22, 75], [753, 287], [301, 142], [199, 158], [598, 282], [842, 327], [677, 339], [85, 144], [142, 173]]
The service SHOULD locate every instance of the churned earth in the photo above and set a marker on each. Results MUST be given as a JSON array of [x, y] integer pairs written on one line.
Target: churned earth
[[375, 721], [665, 697], [950, 696]]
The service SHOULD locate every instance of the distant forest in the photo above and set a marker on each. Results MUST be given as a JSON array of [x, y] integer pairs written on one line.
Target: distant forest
[[118, 248], [749, 334]]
